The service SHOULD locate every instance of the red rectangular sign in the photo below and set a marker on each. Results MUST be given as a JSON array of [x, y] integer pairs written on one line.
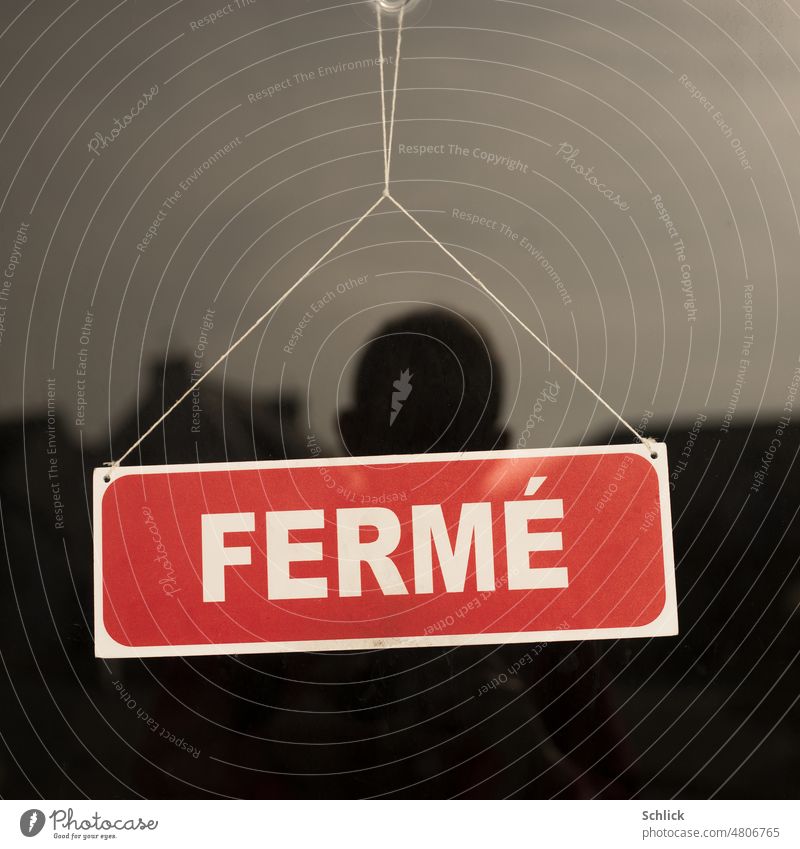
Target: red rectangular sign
[[378, 552]]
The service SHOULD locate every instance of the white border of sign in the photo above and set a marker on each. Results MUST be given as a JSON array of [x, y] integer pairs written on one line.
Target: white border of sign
[[665, 624]]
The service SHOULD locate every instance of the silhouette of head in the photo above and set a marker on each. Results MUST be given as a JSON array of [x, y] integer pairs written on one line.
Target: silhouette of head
[[426, 382]]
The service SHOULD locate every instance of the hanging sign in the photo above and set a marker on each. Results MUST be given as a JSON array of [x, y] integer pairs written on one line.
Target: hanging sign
[[383, 552]]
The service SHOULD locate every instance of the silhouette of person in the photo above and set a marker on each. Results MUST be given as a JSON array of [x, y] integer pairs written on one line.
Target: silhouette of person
[[427, 382]]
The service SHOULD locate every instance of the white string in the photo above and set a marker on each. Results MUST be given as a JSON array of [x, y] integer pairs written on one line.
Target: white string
[[394, 96], [383, 99], [244, 336], [387, 159], [644, 440]]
